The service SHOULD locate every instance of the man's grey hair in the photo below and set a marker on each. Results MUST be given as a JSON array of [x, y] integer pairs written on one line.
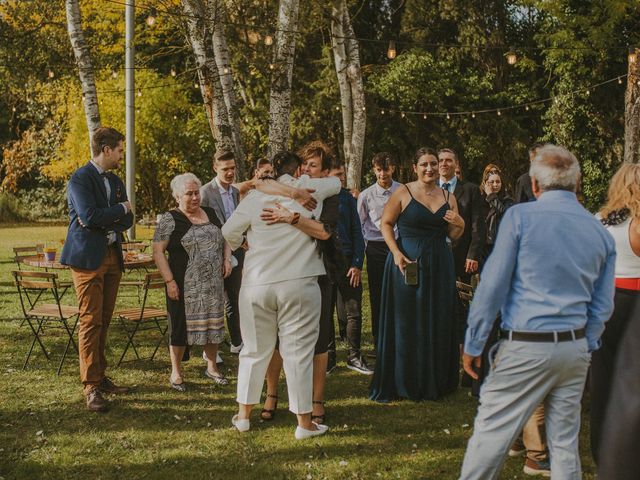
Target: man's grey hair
[[179, 183], [555, 168]]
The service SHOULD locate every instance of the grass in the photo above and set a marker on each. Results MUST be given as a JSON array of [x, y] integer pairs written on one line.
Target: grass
[[156, 433]]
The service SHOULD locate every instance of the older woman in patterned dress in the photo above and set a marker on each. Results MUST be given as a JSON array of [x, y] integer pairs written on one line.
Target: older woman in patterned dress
[[199, 259]]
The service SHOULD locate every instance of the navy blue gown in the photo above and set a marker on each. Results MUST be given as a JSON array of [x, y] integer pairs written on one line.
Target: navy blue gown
[[417, 348]]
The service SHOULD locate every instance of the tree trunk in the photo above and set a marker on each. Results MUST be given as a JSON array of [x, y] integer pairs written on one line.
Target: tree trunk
[[198, 33], [347, 60], [632, 114], [221, 56], [85, 67], [281, 77]]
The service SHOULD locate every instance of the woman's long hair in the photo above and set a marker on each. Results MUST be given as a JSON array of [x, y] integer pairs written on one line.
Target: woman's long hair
[[489, 170], [623, 197]]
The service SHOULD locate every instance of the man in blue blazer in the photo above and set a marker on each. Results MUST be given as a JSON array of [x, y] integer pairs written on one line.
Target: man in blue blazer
[[99, 212]]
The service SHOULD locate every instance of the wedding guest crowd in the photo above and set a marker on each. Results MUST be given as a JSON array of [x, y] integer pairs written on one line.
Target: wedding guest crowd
[[278, 252]]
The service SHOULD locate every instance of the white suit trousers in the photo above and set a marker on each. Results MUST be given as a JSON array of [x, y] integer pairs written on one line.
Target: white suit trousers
[[289, 310], [525, 374]]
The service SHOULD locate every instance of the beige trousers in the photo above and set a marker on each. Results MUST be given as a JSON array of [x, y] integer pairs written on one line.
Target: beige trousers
[[289, 311]]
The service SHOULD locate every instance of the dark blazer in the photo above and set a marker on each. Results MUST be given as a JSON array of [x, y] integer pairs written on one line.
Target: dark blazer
[[210, 197], [524, 192], [349, 229], [471, 244], [86, 243]]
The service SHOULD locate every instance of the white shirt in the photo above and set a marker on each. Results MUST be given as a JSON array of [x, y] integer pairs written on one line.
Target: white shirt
[[111, 235], [453, 181], [627, 262], [324, 187]]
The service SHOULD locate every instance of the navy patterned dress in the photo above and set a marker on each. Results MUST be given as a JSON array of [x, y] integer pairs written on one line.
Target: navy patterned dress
[[196, 254]]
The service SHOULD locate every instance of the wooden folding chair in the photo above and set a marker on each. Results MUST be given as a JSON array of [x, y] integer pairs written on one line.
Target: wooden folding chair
[[146, 317], [31, 287], [20, 253]]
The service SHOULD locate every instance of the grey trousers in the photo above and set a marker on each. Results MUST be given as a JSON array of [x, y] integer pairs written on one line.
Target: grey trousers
[[523, 375], [289, 311]]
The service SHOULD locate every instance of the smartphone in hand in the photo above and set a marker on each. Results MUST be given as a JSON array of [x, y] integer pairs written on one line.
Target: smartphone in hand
[[411, 274]]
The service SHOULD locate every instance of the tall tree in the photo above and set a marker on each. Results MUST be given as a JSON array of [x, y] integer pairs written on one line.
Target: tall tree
[[85, 67], [632, 113], [217, 16], [198, 35], [280, 95], [346, 55]]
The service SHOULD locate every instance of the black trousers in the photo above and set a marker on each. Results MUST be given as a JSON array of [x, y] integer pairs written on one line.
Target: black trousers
[[232, 288], [622, 332], [348, 301], [376, 258]]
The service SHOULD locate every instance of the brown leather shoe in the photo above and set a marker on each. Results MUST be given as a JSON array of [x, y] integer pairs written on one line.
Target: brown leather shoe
[[95, 402], [107, 386]]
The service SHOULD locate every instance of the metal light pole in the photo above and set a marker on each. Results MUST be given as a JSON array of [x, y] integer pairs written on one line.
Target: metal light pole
[[130, 108]]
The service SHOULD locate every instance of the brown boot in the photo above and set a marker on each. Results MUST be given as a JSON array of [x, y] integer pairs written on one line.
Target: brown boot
[[107, 386], [95, 402]]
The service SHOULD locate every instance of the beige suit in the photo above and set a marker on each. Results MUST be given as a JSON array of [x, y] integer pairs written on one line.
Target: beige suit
[[279, 296]]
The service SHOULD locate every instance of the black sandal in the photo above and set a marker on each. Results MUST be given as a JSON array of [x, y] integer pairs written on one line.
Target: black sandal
[[268, 415], [319, 419]]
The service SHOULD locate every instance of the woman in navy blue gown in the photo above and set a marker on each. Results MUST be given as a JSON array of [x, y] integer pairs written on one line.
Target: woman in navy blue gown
[[417, 348]]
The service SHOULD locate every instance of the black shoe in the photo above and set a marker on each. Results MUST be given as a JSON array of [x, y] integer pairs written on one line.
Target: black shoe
[[357, 364], [331, 365]]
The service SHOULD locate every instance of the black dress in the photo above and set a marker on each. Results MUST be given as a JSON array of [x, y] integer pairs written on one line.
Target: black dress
[[418, 355], [196, 254]]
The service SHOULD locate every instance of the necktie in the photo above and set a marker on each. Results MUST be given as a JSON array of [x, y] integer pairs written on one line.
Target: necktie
[[446, 186]]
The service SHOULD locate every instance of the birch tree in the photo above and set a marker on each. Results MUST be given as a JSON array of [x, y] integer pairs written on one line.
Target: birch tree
[[346, 56], [203, 18], [85, 67], [632, 113], [280, 92], [217, 14]]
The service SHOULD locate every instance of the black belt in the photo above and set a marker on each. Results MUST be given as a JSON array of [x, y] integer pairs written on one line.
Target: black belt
[[564, 336]]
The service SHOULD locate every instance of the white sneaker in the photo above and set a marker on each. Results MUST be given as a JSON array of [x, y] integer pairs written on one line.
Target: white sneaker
[[236, 350], [242, 424], [219, 360], [302, 433]]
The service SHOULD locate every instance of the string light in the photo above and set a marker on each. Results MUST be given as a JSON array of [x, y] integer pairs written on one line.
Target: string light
[[381, 112], [195, 85], [51, 74], [512, 58], [173, 71], [526, 107], [588, 92], [271, 66], [619, 81], [151, 18], [499, 113], [424, 116], [139, 92], [268, 40], [364, 109], [391, 51], [633, 56], [114, 74], [337, 108], [448, 117], [225, 70], [402, 115], [13, 109], [473, 114]]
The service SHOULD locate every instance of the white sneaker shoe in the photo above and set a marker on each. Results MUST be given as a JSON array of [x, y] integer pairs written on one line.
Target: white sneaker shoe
[[242, 424], [236, 350], [302, 433], [219, 360]]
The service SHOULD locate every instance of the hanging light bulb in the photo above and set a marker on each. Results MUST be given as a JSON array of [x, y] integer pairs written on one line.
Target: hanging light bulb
[[13, 109], [364, 109], [272, 66], [175, 117], [402, 115], [424, 116], [391, 51], [173, 71], [139, 92], [512, 57], [313, 112], [114, 74], [337, 108], [588, 92], [195, 85], [268, 40], [473, 114], [225, 70], [151, 18], [526, 107], [499, 113], [619, 81], [51, 74], [633, 56], [448, 117], [382, 112]]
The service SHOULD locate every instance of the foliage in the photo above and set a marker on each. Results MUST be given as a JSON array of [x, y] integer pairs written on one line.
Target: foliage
[[10, 209]]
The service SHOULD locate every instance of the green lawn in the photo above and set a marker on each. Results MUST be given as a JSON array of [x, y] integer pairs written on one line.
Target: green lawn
[[156, 432]]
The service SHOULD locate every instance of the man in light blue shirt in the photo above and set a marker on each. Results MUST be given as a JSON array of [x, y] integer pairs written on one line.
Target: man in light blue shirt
[[551, 275]]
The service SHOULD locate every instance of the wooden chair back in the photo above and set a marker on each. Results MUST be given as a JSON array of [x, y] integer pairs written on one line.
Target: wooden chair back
[[20, 253]]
